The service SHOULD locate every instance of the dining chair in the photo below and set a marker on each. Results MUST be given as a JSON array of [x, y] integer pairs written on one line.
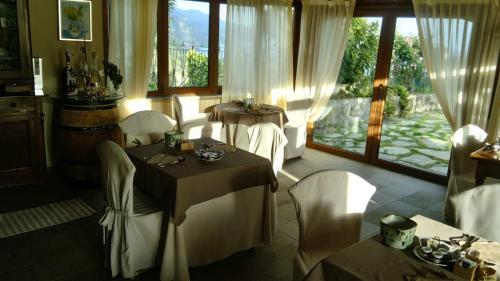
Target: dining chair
[[329, 206], [145, 127], [193, 123], [296, 129], [476, 211], [131, 223], [462, 168], [268, 140]]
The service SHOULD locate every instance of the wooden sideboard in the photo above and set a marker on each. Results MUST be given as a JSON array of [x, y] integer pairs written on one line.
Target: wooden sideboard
[[22, 146]]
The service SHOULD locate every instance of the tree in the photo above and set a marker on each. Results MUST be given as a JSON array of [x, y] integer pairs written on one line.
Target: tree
[[360, 57], [197, 69], [407, 63]]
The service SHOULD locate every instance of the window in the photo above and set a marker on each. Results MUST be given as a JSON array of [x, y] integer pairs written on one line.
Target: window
[[189, 49]]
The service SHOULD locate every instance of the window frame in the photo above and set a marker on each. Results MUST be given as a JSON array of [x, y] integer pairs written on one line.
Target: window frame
[[213, 53]]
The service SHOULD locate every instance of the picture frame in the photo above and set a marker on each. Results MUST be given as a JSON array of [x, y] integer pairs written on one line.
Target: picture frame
[[75, 20]]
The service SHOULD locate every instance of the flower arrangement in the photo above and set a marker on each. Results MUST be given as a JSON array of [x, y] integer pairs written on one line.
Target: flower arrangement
[[112, 71]]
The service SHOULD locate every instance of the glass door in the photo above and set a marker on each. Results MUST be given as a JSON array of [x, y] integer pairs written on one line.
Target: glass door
[[414, 132], [383, 110], [345, 121]]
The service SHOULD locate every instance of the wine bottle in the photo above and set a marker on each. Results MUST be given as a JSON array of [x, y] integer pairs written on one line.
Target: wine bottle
[[69, 78]]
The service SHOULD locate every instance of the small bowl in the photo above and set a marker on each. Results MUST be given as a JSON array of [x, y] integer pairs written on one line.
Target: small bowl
[[426, 250], [397, 231], [438, 255]]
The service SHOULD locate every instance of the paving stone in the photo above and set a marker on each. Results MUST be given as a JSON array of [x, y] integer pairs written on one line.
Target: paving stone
[[440, 154], [406, 139], [334, 136], [424, 130], [357, 136], [388, 157], [402, 143], [386, 138], [436, 143], [394, 150], [407, 123], [418, 160]]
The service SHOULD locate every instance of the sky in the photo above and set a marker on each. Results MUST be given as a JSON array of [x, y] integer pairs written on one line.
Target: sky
[[200, 6], [405, 26]]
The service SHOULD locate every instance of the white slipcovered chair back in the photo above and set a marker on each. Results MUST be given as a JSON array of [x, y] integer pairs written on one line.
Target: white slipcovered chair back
[[118, 177], [268, 140], [462, 168], [477, 211], [193, 123], [147, 121], [465, 141], [330, 206], [297, 109], [187, 108], [296, 129]]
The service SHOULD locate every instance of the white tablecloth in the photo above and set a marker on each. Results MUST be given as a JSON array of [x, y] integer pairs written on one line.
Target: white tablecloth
[[218, 228]]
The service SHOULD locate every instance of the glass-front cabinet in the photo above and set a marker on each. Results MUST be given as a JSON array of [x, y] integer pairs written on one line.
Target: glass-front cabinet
[[16, 76], [10, 58]]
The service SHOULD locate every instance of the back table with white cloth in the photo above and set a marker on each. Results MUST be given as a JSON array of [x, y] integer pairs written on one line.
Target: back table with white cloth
[[237, 120], [216, 208]]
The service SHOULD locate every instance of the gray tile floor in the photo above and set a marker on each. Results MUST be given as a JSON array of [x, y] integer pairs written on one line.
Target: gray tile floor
[[73, 251]]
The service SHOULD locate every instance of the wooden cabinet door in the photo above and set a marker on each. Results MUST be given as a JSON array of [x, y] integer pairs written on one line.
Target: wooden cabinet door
[[21, 141]]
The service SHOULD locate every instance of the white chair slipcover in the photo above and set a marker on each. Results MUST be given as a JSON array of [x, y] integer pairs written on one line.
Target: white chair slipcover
[[193, 123], [144, 123], [462, 168], [268, 140], [296, 128], [477, 211], [131, 222], [330, 206]]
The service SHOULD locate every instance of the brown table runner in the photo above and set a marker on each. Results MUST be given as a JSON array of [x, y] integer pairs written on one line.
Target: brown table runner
[[230, 113], [194, 181]]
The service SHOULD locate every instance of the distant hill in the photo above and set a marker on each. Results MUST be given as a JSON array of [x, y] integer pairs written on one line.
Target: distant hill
[[190, 26]]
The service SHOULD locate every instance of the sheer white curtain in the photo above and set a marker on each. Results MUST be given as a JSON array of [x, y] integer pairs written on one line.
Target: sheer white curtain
[[460, 53], [258, 51], [132, 30], [323, 37], [494, 123]]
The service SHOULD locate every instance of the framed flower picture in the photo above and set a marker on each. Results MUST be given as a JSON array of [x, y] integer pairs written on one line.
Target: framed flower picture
[[75, 20]]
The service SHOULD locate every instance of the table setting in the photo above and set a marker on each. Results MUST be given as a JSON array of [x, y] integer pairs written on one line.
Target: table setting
[[211, 193], [413, 249]]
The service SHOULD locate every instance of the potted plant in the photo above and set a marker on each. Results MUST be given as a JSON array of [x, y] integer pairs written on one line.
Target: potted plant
[[113, 73]]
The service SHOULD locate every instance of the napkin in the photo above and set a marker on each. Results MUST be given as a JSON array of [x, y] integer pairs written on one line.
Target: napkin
[[162, 159]]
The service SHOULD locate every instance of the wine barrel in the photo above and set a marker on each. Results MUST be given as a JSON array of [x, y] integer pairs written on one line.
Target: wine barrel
[[81, 128]]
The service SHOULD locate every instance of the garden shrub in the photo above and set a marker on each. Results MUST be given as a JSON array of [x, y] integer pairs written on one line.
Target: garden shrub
[[197, 69], [404, 99], [390, 103]]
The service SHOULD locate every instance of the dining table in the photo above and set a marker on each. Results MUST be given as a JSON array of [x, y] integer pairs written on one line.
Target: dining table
[[212, 209], [235, 116], [370, 259], [488, 164]]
